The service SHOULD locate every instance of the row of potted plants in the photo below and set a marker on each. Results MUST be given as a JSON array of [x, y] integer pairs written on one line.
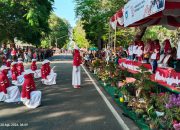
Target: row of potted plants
[[140, 95]]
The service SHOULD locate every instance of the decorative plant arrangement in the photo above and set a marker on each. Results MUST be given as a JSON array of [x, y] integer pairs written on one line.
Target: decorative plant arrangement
[[140, 95]]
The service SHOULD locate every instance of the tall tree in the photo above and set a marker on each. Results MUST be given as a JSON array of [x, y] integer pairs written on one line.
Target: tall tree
[[26, 20], [79, 35], [59, 32], [96, 15]]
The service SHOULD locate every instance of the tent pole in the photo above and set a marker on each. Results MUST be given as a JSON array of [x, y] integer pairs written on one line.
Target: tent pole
[[115, 40]]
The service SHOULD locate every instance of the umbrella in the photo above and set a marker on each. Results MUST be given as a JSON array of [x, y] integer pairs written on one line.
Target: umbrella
[[93, 49]]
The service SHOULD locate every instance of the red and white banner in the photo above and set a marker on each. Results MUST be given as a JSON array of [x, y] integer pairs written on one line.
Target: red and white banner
[[137, 10], [169, 17]]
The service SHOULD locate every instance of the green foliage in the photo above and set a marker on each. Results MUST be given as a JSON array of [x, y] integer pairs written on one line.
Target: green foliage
[[79, 36], [161, 33], [26, 20], [59, 32], [95, 15]]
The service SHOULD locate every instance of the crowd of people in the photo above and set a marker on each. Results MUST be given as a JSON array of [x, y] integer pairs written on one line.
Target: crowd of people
[[26, 53], [162, 55], [150, 52], [13, 75]]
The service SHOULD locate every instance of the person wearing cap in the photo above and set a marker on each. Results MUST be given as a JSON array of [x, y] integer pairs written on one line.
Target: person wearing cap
[[50, 75], [7, 93], [29, 96], [20, 67], [14, 70], [76, 74]]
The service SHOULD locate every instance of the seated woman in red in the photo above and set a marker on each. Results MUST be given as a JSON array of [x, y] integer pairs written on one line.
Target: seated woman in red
[[14, 71], [8, 63], [44, 70], [20, 67], [7, 93], [37, 72], [48, 67], [29, 96], [50, 75], [33, 65]]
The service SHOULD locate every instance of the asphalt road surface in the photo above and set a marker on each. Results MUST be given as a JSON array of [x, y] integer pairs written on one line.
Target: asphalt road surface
[[66, 108]]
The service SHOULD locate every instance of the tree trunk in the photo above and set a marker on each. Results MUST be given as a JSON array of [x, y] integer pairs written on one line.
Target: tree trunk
[[99, 41], [140, 34]]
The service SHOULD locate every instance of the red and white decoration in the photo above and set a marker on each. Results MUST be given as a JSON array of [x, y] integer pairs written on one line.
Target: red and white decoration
[[169, 17], [164, 76]]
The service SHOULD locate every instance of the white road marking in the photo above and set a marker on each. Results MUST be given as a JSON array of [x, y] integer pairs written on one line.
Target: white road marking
[[114, 112]]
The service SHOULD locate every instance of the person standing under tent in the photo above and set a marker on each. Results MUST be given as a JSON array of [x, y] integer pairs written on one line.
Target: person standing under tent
[[76, 74], [147, 50], [178, 55], [155, 55], [130, 51]]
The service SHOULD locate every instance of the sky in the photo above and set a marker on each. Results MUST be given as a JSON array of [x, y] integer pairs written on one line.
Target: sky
[[65, 9]]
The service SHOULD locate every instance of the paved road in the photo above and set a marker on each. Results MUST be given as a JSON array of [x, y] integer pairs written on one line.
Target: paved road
[[64, 108]]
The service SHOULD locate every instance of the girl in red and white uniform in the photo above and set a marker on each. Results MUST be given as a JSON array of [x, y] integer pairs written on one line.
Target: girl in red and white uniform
[[7, 93], [49, 75], [76, 74], [14, 71], [20, 67], [29, 96], [37, 72]]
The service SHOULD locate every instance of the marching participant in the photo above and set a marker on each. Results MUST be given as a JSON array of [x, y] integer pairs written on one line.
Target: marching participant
[[49, 74], [37, 72], [76, 74], [29, 96], [7, 93]]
